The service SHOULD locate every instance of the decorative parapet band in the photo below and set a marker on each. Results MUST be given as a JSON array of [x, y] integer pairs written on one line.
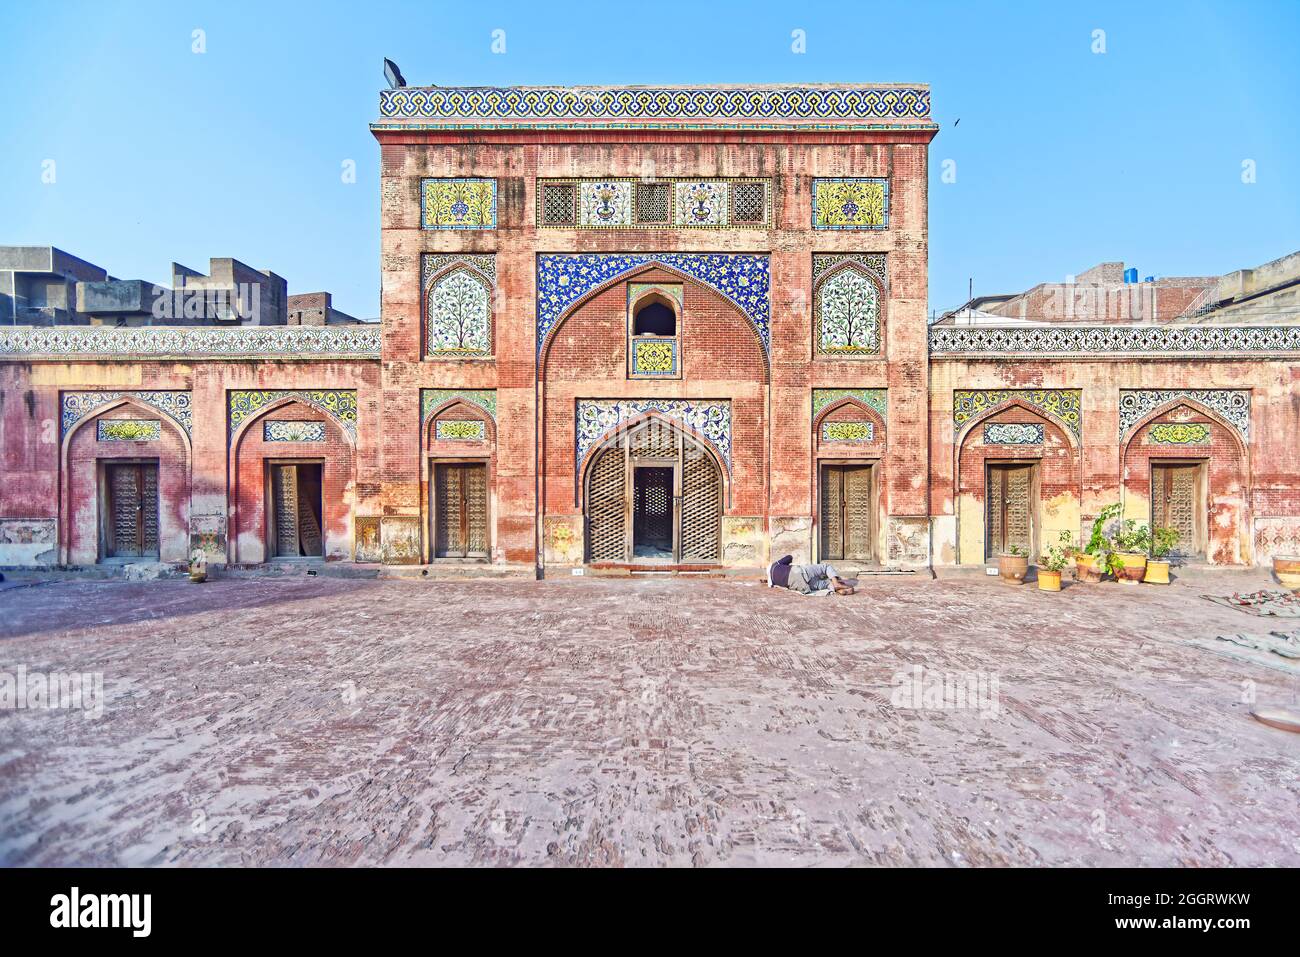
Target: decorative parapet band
[[77, 405], [563, 279], [875, 399], [195, 342], [338, 404], [710, 420], [430, 399], [1232, 404], [727, 107], [1103, 342], [970, 404]]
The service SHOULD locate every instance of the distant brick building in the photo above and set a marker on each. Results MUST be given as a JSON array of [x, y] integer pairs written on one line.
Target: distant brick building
[[665, 327]]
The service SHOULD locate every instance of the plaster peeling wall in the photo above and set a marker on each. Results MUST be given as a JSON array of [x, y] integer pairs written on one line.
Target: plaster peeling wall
[[27, 541]]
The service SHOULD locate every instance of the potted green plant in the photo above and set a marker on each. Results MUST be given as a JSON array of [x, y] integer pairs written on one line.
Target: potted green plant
[[1091, 565], [1163, 541], [1132, 542], [1053, 562], [1013, 565]]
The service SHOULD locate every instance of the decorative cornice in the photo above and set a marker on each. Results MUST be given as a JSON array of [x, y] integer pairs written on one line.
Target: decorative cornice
[[285, 343], [1117, 341], [729, 107]]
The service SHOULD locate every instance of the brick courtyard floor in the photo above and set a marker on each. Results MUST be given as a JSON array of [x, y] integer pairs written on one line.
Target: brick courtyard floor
[[620, 722]]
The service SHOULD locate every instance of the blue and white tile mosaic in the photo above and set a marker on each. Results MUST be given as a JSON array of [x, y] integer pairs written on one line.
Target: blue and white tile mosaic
[[563, 279], [710, 420], [1232, 404], [175, 405], [1264, 342], [292, 430], [1013, 433]]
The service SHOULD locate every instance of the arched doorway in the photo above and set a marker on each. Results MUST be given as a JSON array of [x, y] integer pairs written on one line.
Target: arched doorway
[[653, 494]]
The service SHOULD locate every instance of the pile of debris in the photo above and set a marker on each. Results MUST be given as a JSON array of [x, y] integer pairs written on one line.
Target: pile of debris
[[1275, 604]]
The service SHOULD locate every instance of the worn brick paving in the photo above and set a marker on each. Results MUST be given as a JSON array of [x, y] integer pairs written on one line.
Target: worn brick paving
[[327, 721]]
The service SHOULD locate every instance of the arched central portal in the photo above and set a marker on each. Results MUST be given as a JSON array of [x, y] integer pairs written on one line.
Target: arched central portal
[[653, 495]]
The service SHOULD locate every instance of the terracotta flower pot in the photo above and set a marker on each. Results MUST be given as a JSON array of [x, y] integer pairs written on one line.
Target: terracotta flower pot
[[1133, 567], [1287, 570], [1013, 568], [1049, 580], [1157, 572], [1088, 568]]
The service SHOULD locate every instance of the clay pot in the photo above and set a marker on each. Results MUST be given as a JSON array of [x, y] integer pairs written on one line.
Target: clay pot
[[1157, 572], [1134, 566], [1013, 568], [1049, 580], [1088, 568], [1287, 570]]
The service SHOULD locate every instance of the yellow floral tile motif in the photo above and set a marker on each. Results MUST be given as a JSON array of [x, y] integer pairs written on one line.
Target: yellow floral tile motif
[[1065, 404], [850, 431], [850, 203], [129, 430], [464, 430], [458, 204], [654, 357], [1180, 433]]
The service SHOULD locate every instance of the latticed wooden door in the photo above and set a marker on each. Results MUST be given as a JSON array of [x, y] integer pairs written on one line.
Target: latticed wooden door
[[846, 512], [652, 507], [461, 507], [1174, 498], [284, 496], [607, 506], [132, 527], [1010, 509], [701, 512]]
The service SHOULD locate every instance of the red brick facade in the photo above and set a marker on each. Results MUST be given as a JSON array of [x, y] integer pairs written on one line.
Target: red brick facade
[[514, 405]]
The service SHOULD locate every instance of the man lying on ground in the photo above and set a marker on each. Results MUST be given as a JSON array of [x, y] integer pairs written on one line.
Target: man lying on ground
[[818, 579]]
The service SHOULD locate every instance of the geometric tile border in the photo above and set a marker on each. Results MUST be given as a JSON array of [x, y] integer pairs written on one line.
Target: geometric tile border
[[875, 399], [77, 405], [338, 404], [968, 404], [563, 278], [640, 106], [161, 342], [1232, 404], [1263, 342]]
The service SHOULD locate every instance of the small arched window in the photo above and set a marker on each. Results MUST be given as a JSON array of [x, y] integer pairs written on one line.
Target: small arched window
[[654, 318]]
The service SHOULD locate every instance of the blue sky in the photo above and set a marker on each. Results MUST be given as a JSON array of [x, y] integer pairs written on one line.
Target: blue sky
[[1064, 157]]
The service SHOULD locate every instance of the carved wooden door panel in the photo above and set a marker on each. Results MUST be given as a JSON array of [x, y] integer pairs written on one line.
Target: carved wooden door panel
[[132, 509], [1174, 504], [846, 526], [460, 518], [1010, 509]]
